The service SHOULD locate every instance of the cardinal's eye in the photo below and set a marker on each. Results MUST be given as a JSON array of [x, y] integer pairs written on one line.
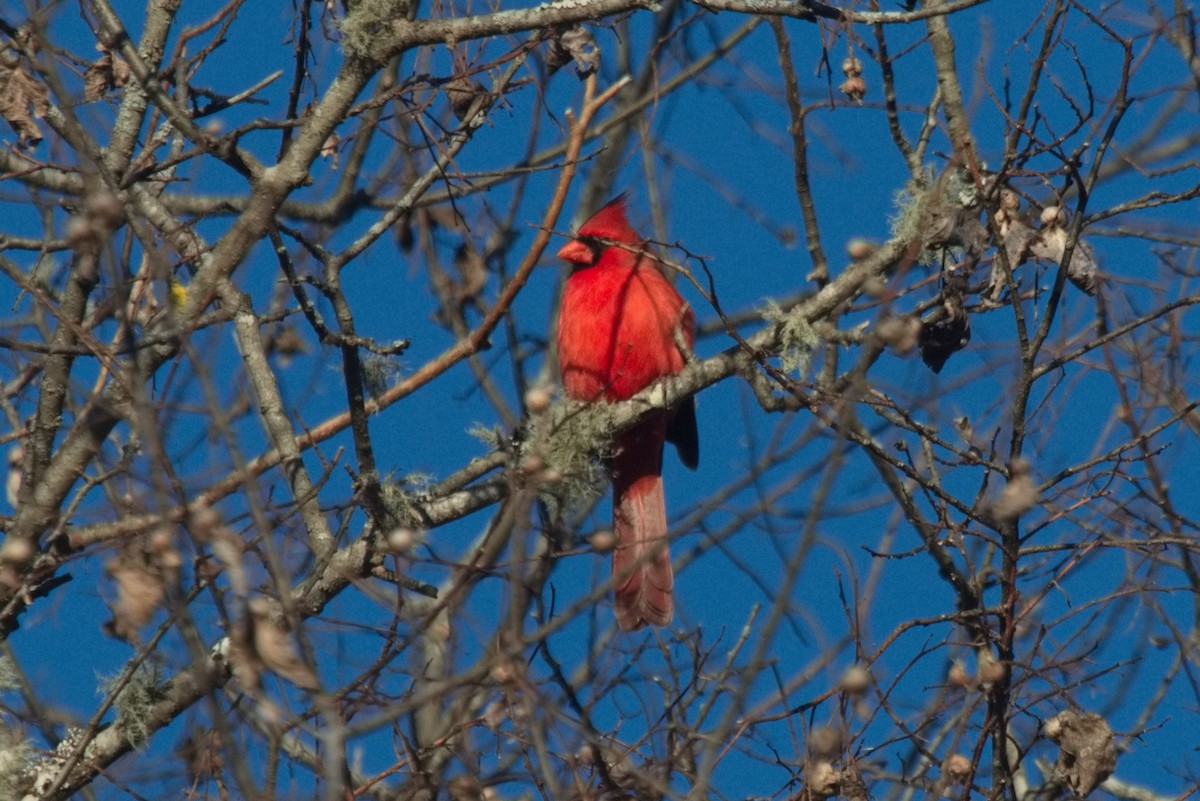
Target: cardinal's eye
[[594, 248]]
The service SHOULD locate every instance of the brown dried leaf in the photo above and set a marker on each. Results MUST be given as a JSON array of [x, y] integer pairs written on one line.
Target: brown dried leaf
[[201, 753], [1019, 495], [823, 780], [110, 71], [98, 78], [854, 788], [899, 333], [286, 343], [825, 743], [465, 787], [142, 572], [403, 229], [1017, 240], [120, 71], [446, 218], [16, 470], [1087, 754], [854, 87], [274, 646], [952, 225], [329, 150], [465, 96], [575, 44], [472, 272], [956, 768], [1051, 245], [22, 99], [243, 660]]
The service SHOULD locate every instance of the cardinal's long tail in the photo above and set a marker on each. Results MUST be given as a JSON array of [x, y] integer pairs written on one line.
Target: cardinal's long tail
[[641, 561]]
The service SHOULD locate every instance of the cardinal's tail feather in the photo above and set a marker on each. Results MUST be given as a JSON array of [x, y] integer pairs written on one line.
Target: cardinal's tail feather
[[641, 560]]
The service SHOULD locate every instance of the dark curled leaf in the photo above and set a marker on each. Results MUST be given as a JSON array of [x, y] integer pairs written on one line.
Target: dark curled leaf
[[941, 339], [574, 44], [947, 330]]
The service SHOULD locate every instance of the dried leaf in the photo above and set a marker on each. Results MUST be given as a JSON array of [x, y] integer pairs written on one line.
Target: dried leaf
[[825, 743], [1051, 245], [990, 669], [1016, 240], [96, 79], [110, 71], [286, 343], [955, 226], [1020, 494], [16, 469], [1082, 269], [854, 88], [120, 71], [229, 549], [274, 646], [139, 593], [22, 99], [956, 769], [1018, 237], [329, 150], [823, 779], [1087, 754], [575, 44], [899, 333], [472, 272], [854, 788], [465, 787], [943, 336], [683, 757], [940, 225], [142, 572], [243, 660], [465, 96], [856, 680], [201, 753]]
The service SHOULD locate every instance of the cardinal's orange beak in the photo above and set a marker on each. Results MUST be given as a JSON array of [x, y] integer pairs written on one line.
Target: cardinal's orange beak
[[577, 252]]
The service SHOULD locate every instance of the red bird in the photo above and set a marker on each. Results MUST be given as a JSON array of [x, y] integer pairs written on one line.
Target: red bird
[[616, 336]]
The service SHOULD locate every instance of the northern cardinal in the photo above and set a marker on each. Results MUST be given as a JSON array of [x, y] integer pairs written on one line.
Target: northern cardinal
[[616, 336]]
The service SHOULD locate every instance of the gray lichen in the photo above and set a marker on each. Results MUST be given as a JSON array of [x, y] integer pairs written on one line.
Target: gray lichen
[[797, 338], [368, 27]]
